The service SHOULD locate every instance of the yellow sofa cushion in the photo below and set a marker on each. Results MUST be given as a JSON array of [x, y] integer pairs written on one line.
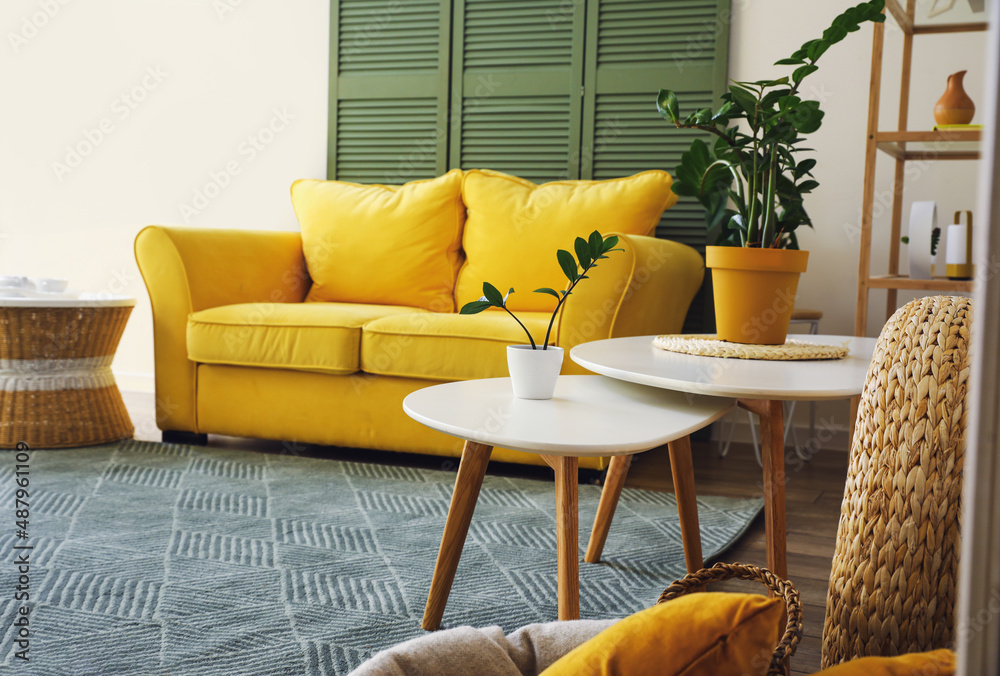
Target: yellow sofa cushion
[[445, 346], [324, 337], [934, 663], [394, 245], [514, 227], [710, 634]]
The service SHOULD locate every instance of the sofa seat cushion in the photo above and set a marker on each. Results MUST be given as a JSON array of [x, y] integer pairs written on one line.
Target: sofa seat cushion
[[440, 346], [323, 337]]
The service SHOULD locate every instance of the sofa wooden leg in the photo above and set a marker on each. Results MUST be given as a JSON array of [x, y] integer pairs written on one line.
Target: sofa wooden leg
[[189, 438]]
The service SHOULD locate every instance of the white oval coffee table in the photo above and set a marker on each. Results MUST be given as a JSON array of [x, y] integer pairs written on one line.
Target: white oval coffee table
[[760, 387], [587, 416]]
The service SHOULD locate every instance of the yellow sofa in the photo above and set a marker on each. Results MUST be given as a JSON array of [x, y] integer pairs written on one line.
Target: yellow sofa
[[243, 347]]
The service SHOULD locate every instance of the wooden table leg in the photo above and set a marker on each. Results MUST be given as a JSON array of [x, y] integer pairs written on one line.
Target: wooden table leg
[[772, 453], [613, 484], [567, 536], [772, 437], [471, 470], [682, 470]]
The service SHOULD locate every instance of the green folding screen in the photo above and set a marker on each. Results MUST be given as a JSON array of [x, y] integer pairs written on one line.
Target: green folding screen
[[544, 89]]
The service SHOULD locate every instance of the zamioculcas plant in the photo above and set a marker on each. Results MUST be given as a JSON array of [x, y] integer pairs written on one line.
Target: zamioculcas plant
[[751, 181], [588, 252]]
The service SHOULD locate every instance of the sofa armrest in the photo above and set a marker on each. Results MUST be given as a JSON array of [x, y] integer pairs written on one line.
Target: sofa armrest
[[192, 269], [645, 289]]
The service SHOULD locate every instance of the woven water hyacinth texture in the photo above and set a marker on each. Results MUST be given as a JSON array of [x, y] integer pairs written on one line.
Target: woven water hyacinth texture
[[892, 588], [166, 559]]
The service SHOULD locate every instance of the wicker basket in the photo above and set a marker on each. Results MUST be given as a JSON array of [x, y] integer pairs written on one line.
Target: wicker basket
[[783, 589], [892, 587], [56, 387]]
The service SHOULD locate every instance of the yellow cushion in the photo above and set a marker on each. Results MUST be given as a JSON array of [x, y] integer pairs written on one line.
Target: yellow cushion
[[394, 245], [514, 227], [324, 337], [715, 634], [934, 663], [445, 346]]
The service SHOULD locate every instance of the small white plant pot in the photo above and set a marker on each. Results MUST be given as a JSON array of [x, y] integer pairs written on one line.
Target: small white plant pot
[[533, 373]]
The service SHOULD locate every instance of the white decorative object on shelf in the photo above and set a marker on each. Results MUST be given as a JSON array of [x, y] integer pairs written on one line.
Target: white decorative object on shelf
[[959, 257], [923, 221]]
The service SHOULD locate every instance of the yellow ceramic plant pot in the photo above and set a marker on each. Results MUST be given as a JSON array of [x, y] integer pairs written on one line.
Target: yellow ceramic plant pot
[[754, 291]]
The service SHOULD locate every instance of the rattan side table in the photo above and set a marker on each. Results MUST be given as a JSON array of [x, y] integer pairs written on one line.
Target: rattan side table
[[56, 386]]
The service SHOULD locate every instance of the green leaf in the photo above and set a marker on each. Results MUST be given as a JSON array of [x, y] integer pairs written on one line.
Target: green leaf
[[475, 307], [582, 252], [609, 244], [786, 102], [808, 117], [568, 264], [744, 99], [807, 186], [772, 83], [773, 97], [802, 71], [833, 35], [666, 103], [594, 241], [492, 294], [551, 292], [817, 48], [722, 115], [804, 167], [789, 62]]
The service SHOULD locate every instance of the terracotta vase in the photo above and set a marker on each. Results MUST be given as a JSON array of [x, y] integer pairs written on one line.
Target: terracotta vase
[[954, 106]]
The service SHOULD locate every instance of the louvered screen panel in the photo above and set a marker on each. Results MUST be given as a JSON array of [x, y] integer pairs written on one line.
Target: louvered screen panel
[[381, 35], [635, 47], [657, 31], [505, 33], [386, 141], [517, 65], [524, 136], [631, 137], [388, 90]]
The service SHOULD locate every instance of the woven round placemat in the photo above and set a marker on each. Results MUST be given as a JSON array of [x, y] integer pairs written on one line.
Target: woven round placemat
[[706, 346]]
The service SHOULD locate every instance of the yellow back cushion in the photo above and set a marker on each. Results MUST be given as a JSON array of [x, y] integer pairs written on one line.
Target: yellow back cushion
[[710, 634], [934, 663], [514, 227], [390, 245]]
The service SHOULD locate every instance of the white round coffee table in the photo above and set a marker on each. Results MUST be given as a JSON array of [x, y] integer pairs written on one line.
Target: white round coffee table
[[760, 387], [56, 385], [587, 416]]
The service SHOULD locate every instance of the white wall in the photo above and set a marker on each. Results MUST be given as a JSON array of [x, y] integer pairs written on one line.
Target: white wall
[[222, 67], [764, 31], [841, 84], [183, 89]]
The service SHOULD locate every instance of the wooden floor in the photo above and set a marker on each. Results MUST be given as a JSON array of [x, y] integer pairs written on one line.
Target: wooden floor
[[814, 492]]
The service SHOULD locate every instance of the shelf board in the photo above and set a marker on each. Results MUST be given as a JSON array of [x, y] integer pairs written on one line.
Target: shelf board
[[930, 145], [905, 22], [906, 283], [932, 28]]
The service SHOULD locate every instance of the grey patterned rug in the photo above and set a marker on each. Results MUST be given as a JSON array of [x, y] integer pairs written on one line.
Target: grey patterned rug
[[163, 559]]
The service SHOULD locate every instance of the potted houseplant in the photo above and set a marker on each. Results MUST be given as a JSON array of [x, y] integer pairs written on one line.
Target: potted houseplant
[[535, 368], [752, 183]]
